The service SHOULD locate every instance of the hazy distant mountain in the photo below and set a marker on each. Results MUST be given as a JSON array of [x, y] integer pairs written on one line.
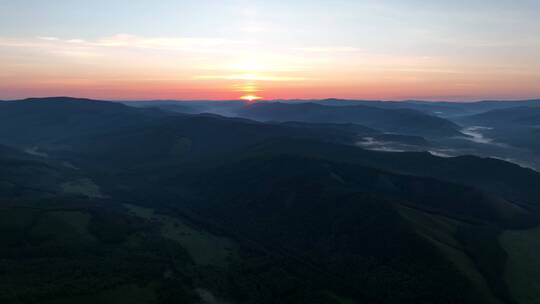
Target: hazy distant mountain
[[518, 116], [345, 127], [44, 120], [118, 133], [225, 108], [116, 201], [125, 135], [439, 108], [372, 114], [401, 121], [514, 127], [187, 138]]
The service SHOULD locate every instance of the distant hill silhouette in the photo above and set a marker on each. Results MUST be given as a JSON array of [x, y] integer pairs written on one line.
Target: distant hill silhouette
[[122, 202], [518, 116], [403, 121]]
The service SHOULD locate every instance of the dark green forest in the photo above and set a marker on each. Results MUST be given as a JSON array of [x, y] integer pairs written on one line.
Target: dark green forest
[[106, 203]]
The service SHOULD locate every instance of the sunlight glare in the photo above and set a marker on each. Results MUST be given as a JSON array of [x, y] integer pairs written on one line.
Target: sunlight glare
[[250, 98]]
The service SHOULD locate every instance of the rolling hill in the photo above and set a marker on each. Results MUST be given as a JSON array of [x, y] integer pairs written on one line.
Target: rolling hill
[[518, 116], [38, 121], [100, 201], [401, 121]]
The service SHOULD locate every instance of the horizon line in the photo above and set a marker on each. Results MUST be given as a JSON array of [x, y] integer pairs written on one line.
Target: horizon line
[[281, 99]]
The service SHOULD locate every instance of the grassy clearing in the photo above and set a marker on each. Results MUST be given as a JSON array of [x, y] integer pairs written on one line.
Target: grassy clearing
[[63, 225], [77, 220], [85, 187], [523, 267], [338, 299], [207, 297], [203, 247], [146, 213], [16, 218], [440, 231], [13, 224], [132, 294]]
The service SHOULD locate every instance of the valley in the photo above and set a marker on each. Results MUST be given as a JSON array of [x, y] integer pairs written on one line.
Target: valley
[[158, 205]]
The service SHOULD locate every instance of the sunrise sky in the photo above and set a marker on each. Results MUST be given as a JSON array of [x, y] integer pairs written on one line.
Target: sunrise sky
[[392, 49]]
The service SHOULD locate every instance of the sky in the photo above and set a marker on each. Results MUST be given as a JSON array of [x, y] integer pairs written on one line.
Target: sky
[[229, 49]]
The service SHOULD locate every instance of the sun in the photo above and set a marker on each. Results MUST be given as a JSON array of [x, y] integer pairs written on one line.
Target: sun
[[250, 78], [250, 98]]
